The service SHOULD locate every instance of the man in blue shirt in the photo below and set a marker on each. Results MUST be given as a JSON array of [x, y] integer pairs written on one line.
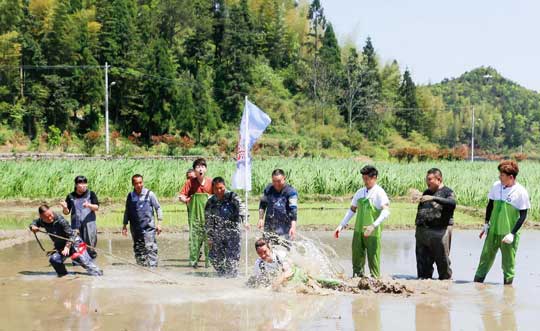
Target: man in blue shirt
[[280, 203]]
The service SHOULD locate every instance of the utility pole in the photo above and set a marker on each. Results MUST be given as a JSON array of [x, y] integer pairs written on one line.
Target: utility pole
[[472, 136], [106, 108]]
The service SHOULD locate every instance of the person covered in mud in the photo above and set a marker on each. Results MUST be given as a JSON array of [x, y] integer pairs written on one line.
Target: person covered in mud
[[271, 267], [195, 193], [434, 221], [505, 214], [141, 203], [371, 206], [83, 204], [280, 203], [224, 212], [66, 242], [190, 173]]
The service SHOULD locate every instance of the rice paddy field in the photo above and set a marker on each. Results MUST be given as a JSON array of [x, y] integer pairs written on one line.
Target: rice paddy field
[[317, 178]]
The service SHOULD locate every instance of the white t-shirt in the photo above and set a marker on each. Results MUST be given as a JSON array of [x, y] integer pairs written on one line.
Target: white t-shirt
[[376, 195], [278, 263], [516, 195]]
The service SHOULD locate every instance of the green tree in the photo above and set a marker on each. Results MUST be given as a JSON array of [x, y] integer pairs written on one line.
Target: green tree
[[409, 115]]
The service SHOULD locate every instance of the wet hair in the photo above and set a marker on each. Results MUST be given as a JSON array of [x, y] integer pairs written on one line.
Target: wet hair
[[136, 176], [261, 242], [218, 180], [43, 208], [199, 162], [369, 171], [509, 167], [278, 172], [435, 171]]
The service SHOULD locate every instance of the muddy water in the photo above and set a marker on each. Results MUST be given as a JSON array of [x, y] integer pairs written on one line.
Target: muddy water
[[127, 298]]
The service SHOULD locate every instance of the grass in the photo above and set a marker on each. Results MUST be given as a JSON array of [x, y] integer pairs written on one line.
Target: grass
[[175, 216], [319, 179]]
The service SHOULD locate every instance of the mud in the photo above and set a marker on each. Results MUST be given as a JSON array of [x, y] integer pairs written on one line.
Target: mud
[[126, 298]]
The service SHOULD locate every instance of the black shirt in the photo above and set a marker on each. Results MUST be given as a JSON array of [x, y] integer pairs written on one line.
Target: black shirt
[[59, 227], [439, 212], [72, 195]]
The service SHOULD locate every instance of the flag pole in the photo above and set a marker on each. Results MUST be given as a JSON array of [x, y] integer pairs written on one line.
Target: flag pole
[[246, 158]]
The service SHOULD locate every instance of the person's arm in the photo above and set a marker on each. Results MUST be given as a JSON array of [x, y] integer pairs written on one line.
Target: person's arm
[[450, 201], [66, 205], [385, 212], [35, 225], [126, 217], [293, 213], [350, 213], [93, 205], [72, 235], [263, 204], [209, 221], [485, 227], [157, 207], [159, 212], [183, 196], [241, 207], [521, 220]]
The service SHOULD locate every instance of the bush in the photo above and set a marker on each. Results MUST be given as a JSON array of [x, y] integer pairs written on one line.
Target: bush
[[91, 140]]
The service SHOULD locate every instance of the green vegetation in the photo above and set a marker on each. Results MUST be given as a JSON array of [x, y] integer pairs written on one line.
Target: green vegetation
[[320, 179], [320, 215], [181, 70]]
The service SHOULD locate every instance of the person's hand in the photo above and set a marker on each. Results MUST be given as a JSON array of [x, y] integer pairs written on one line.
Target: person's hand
[[158, 229], [86, 204], [292, 231], [63, 204], [124, 231], [508, 239], [485, 229], [426, 198], [260, 224], [337, 231], [65, 251], [368, 230], [247, 226]]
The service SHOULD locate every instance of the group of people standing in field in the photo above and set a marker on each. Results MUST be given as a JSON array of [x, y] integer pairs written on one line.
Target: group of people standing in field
[[216, 216]]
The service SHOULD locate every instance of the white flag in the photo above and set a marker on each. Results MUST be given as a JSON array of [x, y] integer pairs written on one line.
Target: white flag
[[254, 122]]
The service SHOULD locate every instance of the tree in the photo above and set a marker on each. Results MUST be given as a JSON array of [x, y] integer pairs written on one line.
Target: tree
[[409, 115]]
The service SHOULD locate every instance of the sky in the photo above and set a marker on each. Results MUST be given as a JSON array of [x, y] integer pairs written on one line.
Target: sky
[[442, 39]]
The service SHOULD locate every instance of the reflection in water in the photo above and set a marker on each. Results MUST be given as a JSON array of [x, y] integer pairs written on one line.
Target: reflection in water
[[498, 312], [78, 302], [432, 316], [366, 314]]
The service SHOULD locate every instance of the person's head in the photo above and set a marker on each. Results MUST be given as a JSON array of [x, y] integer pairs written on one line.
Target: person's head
[[137, 182], [278, 179], [81, 184], [199, 166], [263, 249], [369, 176], [434, 179], [508, 171], [190, 174], [45, 213], [218, 187]]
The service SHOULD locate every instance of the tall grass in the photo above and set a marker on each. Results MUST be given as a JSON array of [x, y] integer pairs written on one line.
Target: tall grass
[[111, 179]]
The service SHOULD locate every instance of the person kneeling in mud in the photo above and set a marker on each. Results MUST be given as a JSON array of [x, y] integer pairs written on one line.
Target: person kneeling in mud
[[224, 212], [66, 242], [273, 267]]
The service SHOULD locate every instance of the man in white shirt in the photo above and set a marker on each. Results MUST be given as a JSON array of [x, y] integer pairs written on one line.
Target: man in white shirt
[[505, 214], [372, 205]]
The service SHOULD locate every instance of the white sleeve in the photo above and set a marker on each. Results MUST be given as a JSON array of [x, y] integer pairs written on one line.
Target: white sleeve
[[256, 268], [347, 217], [356, 197], [384, 215], [380, 199], [522, 202], [495, 192]]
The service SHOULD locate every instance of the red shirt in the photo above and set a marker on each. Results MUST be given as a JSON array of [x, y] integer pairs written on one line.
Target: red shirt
[[193, 186]]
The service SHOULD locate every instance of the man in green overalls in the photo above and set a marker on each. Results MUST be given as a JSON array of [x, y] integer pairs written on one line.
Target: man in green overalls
[[505, 213], [371, 205], [195, 194]]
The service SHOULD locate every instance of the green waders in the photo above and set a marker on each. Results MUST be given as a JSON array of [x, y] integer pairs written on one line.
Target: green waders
[[366, 214], [502, 221], [197, 231]]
